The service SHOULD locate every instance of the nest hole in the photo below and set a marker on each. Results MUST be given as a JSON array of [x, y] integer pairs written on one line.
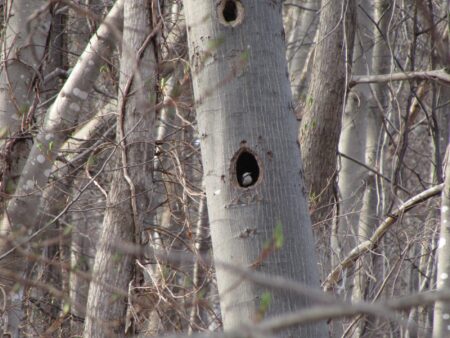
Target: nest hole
[[247, 169], [230, 12]]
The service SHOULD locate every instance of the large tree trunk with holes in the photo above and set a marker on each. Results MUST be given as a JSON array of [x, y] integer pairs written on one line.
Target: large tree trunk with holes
[[247, 124], [129, 197]]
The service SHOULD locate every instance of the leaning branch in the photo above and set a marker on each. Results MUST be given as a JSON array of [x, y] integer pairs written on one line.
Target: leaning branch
[[369, 244], [440, 75]]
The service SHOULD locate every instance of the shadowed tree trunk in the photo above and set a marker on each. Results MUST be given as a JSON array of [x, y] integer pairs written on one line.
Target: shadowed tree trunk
[[130, 195], [254, 182], [321, 123]]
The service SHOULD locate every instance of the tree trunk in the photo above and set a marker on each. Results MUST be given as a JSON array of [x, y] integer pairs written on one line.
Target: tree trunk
[[321, 123], [441, 322], [129, 197], [300, 42], [246, 119], [23, 50]]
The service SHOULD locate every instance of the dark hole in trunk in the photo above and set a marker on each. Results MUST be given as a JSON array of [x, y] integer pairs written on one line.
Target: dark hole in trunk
[[230, 11], [247, 169]]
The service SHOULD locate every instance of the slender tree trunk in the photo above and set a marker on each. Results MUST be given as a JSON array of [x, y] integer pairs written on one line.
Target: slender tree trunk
[[23, 50], [300, 42], [129, 197], [246, 119], [352, 145], [199, 278], [441, 321], [321, 123]]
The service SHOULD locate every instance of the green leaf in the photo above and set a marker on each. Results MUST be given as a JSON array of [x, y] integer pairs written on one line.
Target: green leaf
[[104, 69], [266, 299], [91, 160], [66, 308], [3, 131], [68, 229], [215, 43], [10, 187], [278, 235], [245, 56]]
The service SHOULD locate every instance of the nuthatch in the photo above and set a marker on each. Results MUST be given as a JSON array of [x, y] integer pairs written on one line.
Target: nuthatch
[[246, 179]]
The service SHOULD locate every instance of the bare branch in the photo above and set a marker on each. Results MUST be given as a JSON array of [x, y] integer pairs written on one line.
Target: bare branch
[[440, 75], [368, 245]]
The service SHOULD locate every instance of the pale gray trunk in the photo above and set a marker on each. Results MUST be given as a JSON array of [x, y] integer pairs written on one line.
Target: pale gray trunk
[[352, 142], [23, 50], [346, 231], [441, 324], [247, 123], [378, 63], [198, 315], [441, 319], [300, 33], [130, 195], [352, 146]]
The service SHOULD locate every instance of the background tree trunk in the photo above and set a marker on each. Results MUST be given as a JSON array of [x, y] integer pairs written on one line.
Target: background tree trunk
[[130, 195], [21, 74], [320, 126]]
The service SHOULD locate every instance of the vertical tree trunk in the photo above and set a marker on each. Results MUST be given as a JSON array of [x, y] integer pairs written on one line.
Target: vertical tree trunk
[[441, 322], [246, 119], [129, 197], [300, 42], [23, 50], [374, 98], [321, 123]]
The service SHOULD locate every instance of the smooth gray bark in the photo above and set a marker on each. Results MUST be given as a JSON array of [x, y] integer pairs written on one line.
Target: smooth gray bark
[[244, 103], [21, 73], [441, 325], [130, 195], [300, 40], [352, 143], [22, 53]]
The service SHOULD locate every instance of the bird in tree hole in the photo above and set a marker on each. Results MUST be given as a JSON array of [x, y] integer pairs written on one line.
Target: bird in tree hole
[[246, 179]]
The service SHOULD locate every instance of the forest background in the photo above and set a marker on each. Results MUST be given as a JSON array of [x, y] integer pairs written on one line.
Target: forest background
[[128, 133]]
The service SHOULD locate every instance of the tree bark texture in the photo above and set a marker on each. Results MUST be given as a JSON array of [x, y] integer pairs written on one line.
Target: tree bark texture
[[321, 123], [300, 41], [441, 323], [244, 106], [21, 72], [130, 196], [22, 55]]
